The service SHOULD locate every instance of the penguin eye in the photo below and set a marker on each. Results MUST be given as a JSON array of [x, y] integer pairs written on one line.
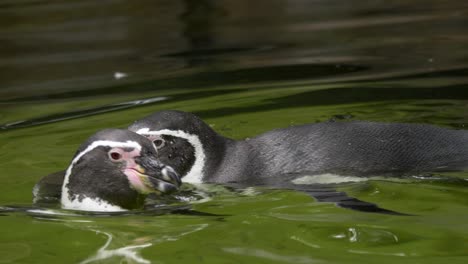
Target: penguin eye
[[115, 156], [159, 143]]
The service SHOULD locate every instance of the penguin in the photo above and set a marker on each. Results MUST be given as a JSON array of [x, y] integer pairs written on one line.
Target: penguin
[[353, 148], [113, 171], [288, 157], [295, 157]]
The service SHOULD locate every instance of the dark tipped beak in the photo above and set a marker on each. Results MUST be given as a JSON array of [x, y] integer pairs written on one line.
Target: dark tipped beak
[[160, 176]]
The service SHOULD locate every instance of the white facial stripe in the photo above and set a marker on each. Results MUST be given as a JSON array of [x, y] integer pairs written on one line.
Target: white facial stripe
[[92, 205], [195, 175]]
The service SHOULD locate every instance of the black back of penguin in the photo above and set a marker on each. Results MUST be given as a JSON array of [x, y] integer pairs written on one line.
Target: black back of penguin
[[362, 148], [344, 148]]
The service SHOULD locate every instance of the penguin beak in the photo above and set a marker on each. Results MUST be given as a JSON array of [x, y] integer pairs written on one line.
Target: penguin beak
[[150, 175]]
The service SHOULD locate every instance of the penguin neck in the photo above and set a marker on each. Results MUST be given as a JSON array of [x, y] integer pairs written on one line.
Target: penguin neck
[[215, 148]]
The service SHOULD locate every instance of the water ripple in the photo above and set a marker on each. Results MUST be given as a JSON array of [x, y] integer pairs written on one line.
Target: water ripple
[[260, 253], [79, 113]]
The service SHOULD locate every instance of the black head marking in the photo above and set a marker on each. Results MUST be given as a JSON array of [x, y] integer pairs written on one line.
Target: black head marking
[[97, 177], [168, 124], [176, 152]]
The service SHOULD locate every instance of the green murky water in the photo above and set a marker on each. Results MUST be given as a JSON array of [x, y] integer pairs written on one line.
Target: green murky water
[[245, 68]]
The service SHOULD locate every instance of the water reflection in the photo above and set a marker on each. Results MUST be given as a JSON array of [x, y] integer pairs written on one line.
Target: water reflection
[[303, 241], [199, 19], [79, 113], [14, 252], [270, 256], [126, 237], [128, 253], [131, 251], [64, 46]]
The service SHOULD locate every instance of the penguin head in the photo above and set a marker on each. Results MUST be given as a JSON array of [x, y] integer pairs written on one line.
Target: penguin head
[[183, 140], [113, 171]]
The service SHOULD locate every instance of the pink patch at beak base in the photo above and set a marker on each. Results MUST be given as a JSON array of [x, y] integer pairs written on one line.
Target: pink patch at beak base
[[137, 180]]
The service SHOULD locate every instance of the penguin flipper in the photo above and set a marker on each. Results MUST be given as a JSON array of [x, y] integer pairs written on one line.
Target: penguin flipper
[[326, 192], [49, 188], [321, 193], [341, 199]]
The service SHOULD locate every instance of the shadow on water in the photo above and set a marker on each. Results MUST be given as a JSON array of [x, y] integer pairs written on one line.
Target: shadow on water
[[210, 79], [336, 96], [46, 212], [332, 96], [79, 113]]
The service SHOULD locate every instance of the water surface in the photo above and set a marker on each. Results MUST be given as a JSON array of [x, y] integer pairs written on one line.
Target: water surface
[[70, 69]]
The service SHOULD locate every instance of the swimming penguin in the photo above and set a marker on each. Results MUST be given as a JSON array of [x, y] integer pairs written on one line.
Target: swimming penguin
[[287, 157], [356, 148], [113, 171], [291, 157]]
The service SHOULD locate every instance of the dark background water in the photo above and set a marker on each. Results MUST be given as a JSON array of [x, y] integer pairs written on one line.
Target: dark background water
[[70, 68], [58, 49]]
